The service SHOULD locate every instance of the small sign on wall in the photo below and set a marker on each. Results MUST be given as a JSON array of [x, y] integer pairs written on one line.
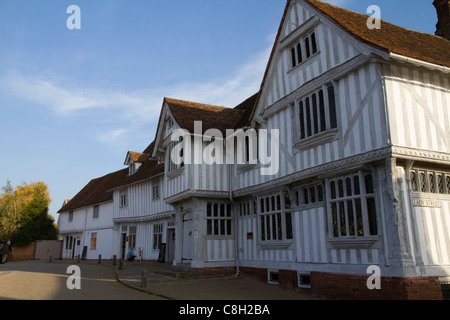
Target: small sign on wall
[[427, 203]]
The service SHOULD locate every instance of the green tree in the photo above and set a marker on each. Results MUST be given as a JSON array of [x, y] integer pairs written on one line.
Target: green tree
[[24, 214]]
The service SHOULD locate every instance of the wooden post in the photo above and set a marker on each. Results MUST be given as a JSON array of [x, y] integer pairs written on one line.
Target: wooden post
[[114, 260], [144, 278]]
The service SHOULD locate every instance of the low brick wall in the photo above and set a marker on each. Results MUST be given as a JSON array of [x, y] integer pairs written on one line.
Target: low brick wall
[[23, 253], [354, 287]]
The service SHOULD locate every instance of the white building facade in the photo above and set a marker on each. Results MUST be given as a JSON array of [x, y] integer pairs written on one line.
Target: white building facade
[[363, 123]]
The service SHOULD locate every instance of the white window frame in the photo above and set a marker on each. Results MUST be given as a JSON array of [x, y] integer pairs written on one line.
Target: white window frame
[[93, 241], [219, 219], [275, 218], [155, 190], [96, 212], [123, 198], [347, 207], [307, 41], [157, 235]]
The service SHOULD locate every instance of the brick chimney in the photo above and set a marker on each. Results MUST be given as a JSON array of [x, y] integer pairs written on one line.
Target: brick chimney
[[443, 12]]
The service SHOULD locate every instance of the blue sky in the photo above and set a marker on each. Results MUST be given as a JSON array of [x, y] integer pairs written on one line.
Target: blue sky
[[73, 102]]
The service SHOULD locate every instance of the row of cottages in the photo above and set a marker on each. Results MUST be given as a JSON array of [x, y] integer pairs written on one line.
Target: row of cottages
[[361, 121]]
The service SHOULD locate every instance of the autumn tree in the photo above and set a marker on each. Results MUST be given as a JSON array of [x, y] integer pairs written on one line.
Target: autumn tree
[[24, 214]]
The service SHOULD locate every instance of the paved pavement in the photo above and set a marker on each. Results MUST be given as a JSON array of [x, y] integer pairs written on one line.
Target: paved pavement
[[163, 282]]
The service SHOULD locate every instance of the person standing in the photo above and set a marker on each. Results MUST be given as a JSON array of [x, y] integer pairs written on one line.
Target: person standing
[[6, 250]]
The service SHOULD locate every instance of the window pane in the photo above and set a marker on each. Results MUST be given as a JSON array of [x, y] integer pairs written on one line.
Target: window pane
[[308, 50], [341, 188], [371, 212], [322, 111], [356, 185], [279, 227], [369, 184], [359, 219], [332, 107], [348, 187], [350, 217], [335, 220], [293, 59], [315, 114], [441, 183], [209, 227], [305, 196], [342, 219], [222, 230], [423, 182], [208, 210], [432, 182], [228, 227], [333, 189], [289, 234], [308, 118], [287, 200], [320, 192], [302, 122], [313, 42], [263, 229], [299, 53], [312, 192]]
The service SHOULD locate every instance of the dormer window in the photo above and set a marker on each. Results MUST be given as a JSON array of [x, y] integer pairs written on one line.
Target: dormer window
[[304, 49], [134, 160]]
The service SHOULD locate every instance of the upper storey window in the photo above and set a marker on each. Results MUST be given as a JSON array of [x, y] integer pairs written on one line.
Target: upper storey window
[[304, 49]]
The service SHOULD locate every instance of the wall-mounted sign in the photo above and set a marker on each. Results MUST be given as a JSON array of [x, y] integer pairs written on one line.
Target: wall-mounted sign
[[427, 203]]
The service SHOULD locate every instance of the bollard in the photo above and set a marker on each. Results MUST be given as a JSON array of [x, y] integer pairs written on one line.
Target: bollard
[[114, 260], [50, 260], [120, 264], [78, 259], [99, 259], [144, 278]]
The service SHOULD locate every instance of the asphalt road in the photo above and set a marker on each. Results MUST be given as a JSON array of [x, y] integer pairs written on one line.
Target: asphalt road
[[36, 280]]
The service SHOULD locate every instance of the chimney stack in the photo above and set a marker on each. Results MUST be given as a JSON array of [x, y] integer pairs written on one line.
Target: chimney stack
[[443, 12]]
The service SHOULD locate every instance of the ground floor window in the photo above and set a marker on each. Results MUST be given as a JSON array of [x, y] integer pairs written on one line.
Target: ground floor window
[[275, 218], [218, 219], [352, 206], [132, 238], [93, 241], [157, 235]]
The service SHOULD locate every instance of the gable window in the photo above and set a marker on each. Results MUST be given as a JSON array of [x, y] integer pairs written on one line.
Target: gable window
[[123, 201], [173, 166], [304, 49], [352, 206], [275, 217], [70, 216], [96, 212]]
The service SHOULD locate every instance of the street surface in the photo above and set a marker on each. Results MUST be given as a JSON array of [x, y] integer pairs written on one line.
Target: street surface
[[35, 280]]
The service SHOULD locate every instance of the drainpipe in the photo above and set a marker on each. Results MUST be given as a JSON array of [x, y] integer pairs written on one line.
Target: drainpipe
[[236, 238]]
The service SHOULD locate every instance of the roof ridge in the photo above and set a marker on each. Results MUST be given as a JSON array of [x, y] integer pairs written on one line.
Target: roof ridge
[[192, 104]]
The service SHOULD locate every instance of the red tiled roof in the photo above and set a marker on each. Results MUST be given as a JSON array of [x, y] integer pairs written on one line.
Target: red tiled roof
[[100, 190], [138, 156], [391, 38], [212, 117]]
